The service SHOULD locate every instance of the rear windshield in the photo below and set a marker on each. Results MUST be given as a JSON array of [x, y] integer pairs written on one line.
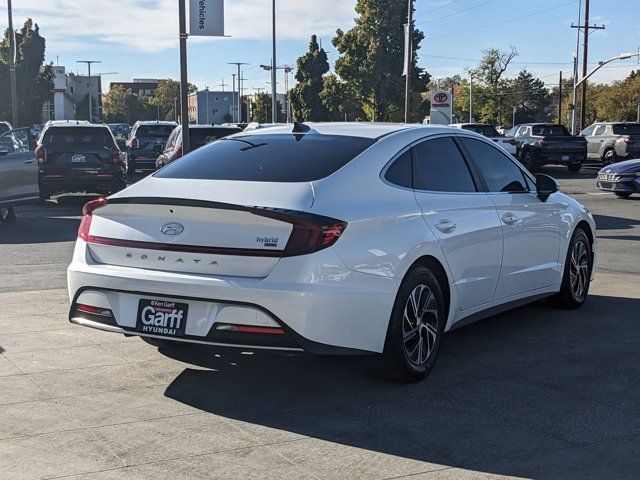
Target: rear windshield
[[77, 135], [486, 130], [550, 131], [199, 137], [154, 130], [268, 158], [627, 129]]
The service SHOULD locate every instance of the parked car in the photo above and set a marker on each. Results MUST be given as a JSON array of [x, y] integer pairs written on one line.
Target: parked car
[[257, 126], [331, 238], [199, 135], [612, 142], [489, 131], [622, 178], [18, 172], [119, 129], [78, 156], [146, 143], [540, 144], [5, 127]]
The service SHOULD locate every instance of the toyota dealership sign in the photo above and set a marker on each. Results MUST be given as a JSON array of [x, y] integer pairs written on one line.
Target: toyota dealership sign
[[441, 107]]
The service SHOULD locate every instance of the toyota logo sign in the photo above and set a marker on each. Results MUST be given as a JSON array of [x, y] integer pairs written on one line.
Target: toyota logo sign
[[440, 97]]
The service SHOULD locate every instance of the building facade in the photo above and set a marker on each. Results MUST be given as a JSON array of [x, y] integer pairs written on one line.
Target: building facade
[[212, 107], [140, 86], [70, 91]]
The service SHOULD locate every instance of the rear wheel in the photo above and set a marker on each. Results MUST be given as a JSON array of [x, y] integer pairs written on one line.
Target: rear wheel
[[415, 328], [529, 161], [574, 167], [577, 272], [609, 157], [623, 194], [44, 196]]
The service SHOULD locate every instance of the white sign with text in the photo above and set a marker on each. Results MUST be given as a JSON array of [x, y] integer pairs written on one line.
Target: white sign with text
[[206, 18]]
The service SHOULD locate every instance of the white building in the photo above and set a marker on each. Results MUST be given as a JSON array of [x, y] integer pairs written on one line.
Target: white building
[[69, 91]]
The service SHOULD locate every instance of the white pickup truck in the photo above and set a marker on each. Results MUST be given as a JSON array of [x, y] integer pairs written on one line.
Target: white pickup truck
[[489, 131]]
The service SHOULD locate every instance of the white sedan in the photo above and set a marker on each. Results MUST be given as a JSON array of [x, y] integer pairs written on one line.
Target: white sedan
[[332, 239]]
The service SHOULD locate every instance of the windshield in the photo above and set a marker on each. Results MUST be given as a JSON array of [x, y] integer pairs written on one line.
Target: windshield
[[486, 130], [268, 158], [627, 129], [154, 130], [550, 131]]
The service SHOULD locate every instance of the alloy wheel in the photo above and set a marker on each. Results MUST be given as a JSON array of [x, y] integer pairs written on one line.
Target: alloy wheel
[[420, 325], [579, 269], [609, 158]]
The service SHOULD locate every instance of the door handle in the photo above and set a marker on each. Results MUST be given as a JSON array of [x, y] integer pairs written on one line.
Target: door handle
[[446, 226], [28, 161], [510, 219]]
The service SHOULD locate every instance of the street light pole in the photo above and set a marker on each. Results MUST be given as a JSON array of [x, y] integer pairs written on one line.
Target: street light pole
[[238, 64], [274, 102], [408, 60], [89, 62], [470, 97], [622, 56], [12, 68], [184, 86], [574, 113]]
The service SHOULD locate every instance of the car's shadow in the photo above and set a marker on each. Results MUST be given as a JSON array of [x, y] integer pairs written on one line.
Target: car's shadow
[[607, 222], [534, 381]]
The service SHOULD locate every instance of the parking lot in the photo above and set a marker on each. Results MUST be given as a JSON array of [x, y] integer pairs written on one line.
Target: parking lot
[[533, 393]]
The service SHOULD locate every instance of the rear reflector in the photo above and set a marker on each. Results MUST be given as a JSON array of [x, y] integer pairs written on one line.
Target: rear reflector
[[103, 312], [249, 329]]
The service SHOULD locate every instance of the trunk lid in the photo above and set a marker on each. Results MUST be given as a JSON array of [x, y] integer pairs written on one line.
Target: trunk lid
[[212, 230], [566, 144]]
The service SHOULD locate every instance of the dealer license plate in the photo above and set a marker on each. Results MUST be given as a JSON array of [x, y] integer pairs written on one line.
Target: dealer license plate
[[161, 317]]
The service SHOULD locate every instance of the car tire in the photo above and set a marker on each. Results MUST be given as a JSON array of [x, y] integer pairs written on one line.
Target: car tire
[[574, 167], [577, 272], [43, 197], [412, 331], [162, 343], [7, 214], [623, 194], [609, 157], [131, 167], [529, 160]]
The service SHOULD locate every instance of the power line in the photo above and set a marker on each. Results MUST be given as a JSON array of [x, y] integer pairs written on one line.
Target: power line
[[456, 13], [540, 12], [435, 9]]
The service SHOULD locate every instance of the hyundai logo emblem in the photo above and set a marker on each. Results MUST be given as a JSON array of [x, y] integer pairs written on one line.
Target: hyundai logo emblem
[[173, 228]]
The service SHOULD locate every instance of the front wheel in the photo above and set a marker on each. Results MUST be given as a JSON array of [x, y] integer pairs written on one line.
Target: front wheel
[[415, 328], [574, 167], [623, 194], [577, 272], [609, 157]]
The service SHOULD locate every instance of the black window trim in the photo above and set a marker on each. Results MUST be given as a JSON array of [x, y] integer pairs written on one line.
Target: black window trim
[[387, 166], [485, 186]]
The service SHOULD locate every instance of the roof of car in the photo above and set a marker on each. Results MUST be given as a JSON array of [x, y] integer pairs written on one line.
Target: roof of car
[[74, 123], [154, 122], [349, 129]]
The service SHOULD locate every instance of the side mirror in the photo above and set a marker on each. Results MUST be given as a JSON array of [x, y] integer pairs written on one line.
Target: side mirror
[[3, 151], [545, 185]]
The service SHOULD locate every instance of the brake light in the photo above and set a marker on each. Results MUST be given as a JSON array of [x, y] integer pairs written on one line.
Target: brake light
[[116, 157], [311, 232], [87, 214], [177, 153], [134, 143], [544, 142], [40, 155], [628, 140]]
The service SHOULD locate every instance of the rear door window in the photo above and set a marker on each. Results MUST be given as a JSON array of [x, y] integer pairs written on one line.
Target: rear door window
[[628, 129], [440, 167], [400, 172], [268, 158]]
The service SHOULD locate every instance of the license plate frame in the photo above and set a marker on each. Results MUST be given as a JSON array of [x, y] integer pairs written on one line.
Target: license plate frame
[[161, 317]]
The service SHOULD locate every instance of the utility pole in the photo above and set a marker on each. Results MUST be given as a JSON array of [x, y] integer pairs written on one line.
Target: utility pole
[[233, 82], [287, 70], [184, 86], [560, 99], [408, 59], [470, 97], [89, 62], [638, 102], [222, 84], [274, 102], [12, 68], [574, 111], [585, 58], [241, 88], [238, 64]]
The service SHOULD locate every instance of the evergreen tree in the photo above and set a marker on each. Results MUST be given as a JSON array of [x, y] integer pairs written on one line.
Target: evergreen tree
[[306, 102]]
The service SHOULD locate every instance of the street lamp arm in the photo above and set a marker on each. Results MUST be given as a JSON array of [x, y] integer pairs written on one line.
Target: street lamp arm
[[623, 56]]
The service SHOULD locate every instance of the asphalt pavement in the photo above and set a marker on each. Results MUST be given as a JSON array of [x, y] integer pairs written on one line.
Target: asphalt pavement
[[533, 393]]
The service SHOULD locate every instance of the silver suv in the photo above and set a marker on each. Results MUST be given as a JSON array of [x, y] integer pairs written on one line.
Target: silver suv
[[612, 142]]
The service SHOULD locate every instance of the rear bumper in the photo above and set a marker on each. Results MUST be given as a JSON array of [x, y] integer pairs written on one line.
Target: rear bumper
[[322, 307], [561, 158], [146, 160], [92, 184]]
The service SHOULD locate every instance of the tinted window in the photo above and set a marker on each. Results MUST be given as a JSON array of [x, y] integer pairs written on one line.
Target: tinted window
[[486, 130], [77, 135], [500, 173], [440, 167], [399, 173], [199, 137], [628, 129], [154, 130], [550, 131], [600, 130], [269, 158], [4, 128]]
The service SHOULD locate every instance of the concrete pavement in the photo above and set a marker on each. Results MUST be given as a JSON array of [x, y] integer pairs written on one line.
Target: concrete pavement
[[533, 393]]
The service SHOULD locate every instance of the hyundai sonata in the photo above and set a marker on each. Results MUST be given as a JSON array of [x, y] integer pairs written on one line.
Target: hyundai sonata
[[332, 239]]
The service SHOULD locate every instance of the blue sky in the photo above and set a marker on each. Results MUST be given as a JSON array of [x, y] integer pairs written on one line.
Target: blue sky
[[138, 38]]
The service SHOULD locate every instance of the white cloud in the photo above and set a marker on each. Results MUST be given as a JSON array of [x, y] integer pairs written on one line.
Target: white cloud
[[152, 25]]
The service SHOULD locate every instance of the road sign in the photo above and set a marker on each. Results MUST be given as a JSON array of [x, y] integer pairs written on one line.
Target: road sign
[[441, 107], [206, 18]]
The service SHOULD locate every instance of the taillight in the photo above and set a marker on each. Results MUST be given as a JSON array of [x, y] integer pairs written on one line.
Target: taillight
[[311, 232], [544, 142], [116, 157], [628, 140], [134, 143], [40, 155], [177, 153], [87, 214]]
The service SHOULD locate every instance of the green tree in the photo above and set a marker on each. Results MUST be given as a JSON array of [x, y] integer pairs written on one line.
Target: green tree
[[305, 97], [168, 95], [531, 99], [340, 101], [372, 60], [496, 99], [115, 105], [261, 109], [34, 79]]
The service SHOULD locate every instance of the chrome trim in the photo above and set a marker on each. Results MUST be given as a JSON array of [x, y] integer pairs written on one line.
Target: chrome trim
[[108, 328]]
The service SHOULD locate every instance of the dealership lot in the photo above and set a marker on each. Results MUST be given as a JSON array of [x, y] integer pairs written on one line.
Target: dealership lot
[[533, 393]]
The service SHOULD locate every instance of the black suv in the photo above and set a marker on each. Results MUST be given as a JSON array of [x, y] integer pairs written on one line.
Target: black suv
[[76, 156], [146, 143], [612, 142], [540, 144]]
